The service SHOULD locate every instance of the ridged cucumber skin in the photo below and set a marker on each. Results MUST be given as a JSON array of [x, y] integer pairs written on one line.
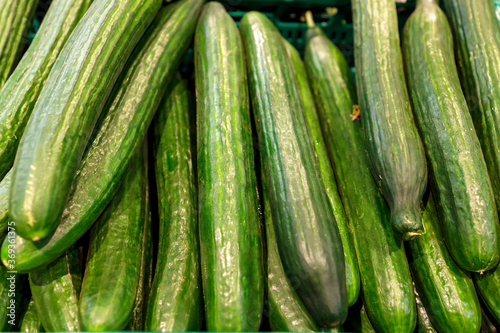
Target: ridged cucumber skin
[[230, 232], [488, 286], [178, 275], [386, 283], [351, 262], [30, 322], [15, 21], [476, 35], [122, 127], [66, 112], [395, 152], [115, 250], [446, 290], [55, 289], [460, 180], [424, 324], [308, 238], [4, 202], [19, 94]]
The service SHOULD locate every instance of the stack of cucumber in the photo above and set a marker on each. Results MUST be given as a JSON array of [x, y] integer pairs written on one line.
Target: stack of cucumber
[[267, 191]]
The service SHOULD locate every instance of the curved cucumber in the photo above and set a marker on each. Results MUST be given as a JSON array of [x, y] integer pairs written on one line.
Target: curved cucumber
[[395, 152], [55, 289], [308, 239], [230, 235], [15, 21], [178, 276], [351, 263], [121, 130], [30, 322], [463, 192], [19, 94], [385, 277], [115, 251], [488, 286]]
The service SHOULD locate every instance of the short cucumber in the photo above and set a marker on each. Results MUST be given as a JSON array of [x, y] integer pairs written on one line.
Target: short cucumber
[[15, 21], [351, 263], [178, 275], [67, 109], [307, 235], [230, 231], [19, 94], [488, 286], [385, 277], [30, 322], [424, 324], [55, 289], [121, 129], [395, 152]]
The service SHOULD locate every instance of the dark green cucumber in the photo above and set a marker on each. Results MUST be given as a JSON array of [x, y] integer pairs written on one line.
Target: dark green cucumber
[[178, 276], [15, 21], [30, 322], [230, 231], [476, 34], [308, 239], [488, 286], [122, 127], [395, 152], [112, 273], [10, 298], [55, 289], [424, 324], [19, 94], [68, 108], [446, 290], [460, 181], [351, 263], [4, 203], [385, 277]]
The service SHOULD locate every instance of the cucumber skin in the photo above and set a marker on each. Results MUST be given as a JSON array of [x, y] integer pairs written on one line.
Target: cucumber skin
[[477, 45], [463, 192], [19, 94], [15, 21], [230, 235], [395, 152], [116, 250], [7, 279], [308, 239], [4, 202], [178, 275], [424, 324], [66, 112], [121, 129], [488, 286], [351, 262], [55, 289], [385, 277], [30, 322]]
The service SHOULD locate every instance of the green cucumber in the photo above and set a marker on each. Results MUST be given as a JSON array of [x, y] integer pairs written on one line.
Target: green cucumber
[[476, 35], [446, 290], [351, 263], [424, 324], [112, 273], [55, 289], [488, 286], [357, 319], [15, 21], [230, 232], [30, 322], [10, 298], [67, 110], [4, 203], [122, 127], [307, 235], [178, 276], [19, 94], [385, 277], [460, 181], [395, 152]]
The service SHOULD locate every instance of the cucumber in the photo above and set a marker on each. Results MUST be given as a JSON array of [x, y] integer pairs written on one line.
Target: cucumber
[[307, 235], [351, 263], [121, 130], [4, 203], [476, 34], [178, 276], [115, 251], [395, 152], [30, 322], [357, 319], [10, 298], [230, 232], [66, 111], [446, 290], [55, 289], [15, 21], [385, 277], [19, 94], [424, 324], [463, 192], [488, 286]]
